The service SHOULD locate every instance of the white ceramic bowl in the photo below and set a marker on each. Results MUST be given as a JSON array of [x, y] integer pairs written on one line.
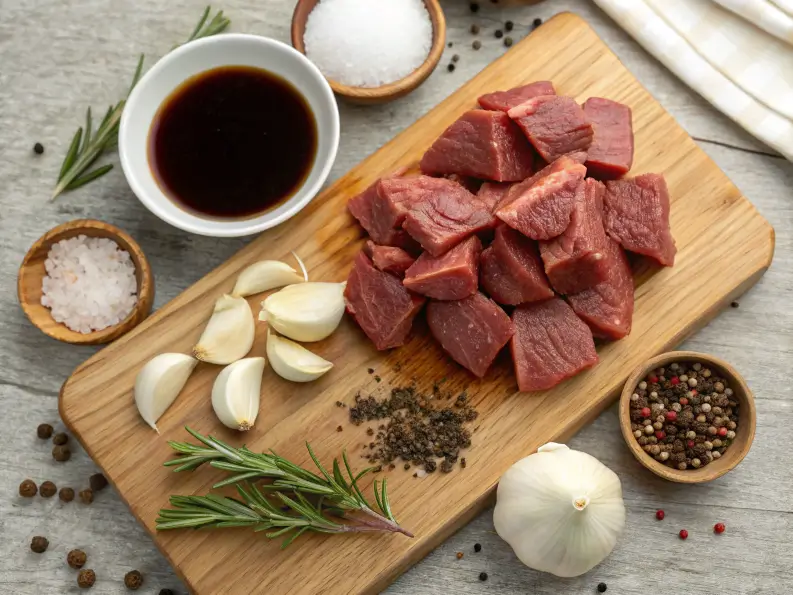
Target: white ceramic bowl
[[231, 49]]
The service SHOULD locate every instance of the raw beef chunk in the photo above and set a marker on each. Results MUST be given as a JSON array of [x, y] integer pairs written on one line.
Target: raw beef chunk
[[388, 258], [482, 144], [362, 207], [611, 153], [491, 193], [514, 190], [608, 307], [636, 214], [550, 344], [503, 101], [472, 330], [380, 304], [554, 124], [451, 276]]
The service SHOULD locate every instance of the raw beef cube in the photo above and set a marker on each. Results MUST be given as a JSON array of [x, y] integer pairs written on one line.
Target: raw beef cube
[[446, 217], [491, 193], [482, 144], [472, 330], [503, 101], [515, 190], [576, 260], [380, 304], [554, 124], [611, 153], [636, 214], [451, 276], [511, 270], [550, 344], [362, 207], [389, 259], [608, 307], [471, 184], [543, 210]]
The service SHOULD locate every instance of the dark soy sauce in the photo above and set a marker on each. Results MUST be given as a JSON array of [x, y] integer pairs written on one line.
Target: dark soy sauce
[[232, 142]]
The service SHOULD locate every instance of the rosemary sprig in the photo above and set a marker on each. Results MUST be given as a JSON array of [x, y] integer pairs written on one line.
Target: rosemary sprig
[[86, 147], [296, 500]]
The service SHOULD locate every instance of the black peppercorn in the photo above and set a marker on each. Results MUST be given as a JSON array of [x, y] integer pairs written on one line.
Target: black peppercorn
[[476, 44], [474, 28], [86, 579], [507, 41], [66, 494], [87, 496], [166, 592], [474, 7], [38, 148], [44, 431], [735, 304], [76, 558], [39, 544], [450, 68], [28, 489], [133, 580], [482, 576], [536, 23], [97, 482], [48, 489], [508, 26], [602, 587], [60, 438], [450, 44], [455, 58], [499, 34], [61, 453], [477, 547]]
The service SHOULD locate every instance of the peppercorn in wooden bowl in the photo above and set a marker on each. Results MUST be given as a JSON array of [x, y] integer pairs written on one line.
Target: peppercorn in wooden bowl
[[650, 395], [390, 91], [32, 272]]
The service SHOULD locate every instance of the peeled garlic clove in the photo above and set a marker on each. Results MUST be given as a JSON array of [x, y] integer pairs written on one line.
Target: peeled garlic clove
[[159, 382], [228, 335], [294, 362], [305, 312], [235, 394], [266, 275]]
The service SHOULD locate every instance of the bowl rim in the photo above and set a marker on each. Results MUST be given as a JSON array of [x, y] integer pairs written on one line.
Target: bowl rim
[[715, 469], [144, 279], [219, 227], [393, 89]]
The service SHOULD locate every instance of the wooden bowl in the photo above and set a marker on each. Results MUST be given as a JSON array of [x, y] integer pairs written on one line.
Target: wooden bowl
[[32, 272], [391, 91], [746, 420]]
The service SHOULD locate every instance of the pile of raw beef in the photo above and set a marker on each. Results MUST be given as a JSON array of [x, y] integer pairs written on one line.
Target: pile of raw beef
[[509, 214]]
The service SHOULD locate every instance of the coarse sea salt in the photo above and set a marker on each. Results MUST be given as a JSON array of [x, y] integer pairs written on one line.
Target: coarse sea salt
[[90, 283], [368, 43]]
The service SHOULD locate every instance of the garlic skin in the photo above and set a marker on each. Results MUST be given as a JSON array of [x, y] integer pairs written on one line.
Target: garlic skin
[[159, 382], [229, 334], [306, 312], [264, 276], [560, 510], [235, 394], [292, 361]]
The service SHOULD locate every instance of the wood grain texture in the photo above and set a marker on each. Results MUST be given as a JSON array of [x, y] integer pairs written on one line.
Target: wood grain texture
[[32, 272], [724, 247], [391, 91]]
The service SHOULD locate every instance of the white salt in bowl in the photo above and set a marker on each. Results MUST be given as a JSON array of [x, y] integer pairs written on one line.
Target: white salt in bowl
[[230, 49]]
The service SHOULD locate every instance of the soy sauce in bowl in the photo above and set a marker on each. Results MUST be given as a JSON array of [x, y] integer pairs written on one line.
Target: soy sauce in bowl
[[232, 142]]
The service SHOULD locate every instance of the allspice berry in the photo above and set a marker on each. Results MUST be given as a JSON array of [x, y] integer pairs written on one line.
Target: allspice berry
[[66, 494], [133, 580], [44, 431], [86, 579], [39, 544], [61, 453], [48, 489], [97, 482], [60, 439], [76, 558], [28, 489], [87, 496]]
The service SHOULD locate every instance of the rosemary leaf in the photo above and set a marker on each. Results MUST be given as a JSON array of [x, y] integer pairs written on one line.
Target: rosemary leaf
[[90, 176], [71, 154], [87, 132]]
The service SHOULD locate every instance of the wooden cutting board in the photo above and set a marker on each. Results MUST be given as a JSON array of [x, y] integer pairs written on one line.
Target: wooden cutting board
[[724, 247]]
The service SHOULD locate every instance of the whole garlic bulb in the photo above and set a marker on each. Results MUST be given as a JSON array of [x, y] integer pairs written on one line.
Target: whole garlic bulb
[[560, 510]]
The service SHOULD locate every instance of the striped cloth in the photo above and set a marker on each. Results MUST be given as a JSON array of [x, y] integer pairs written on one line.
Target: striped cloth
[[737, 54]]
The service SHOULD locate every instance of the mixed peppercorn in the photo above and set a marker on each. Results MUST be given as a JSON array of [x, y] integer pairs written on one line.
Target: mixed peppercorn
[[685, 416]]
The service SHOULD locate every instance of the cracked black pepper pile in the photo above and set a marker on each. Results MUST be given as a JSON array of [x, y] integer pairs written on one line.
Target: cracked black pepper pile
[[416, 432]]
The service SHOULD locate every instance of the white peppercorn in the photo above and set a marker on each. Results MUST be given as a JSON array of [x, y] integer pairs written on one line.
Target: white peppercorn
[[712, 430], [655, 450], [634, 397], [718, 387], [717, 443], [706, 398], [691, 434], [708, 444], [692, 382], [728, 392], [716, 454], [695, 463], [731, 425], [677, 407], [664, 456], [701, 418], [730, 435], [658, 425], [653, 395], [642, 385], [675, 366], [706, 407], [697, 366], [706, 373], [682, 466], [638, 433], [649, 430], [683, 378], [660, 418]]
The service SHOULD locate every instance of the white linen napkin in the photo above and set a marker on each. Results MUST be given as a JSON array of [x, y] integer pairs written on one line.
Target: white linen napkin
[[743, 71], [765, 14]]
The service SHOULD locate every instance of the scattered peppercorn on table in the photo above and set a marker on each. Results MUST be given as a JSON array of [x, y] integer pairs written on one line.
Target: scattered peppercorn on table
[[88, 535]]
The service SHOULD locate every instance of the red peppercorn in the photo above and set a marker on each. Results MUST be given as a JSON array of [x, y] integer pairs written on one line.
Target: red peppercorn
[[691, 444], [683, 534], [652, 379], [659, 514], [646, 412], [674, 380], [693, 391], [683, 401], [718, 528], [660, 434], [671, 415], [722, 431]]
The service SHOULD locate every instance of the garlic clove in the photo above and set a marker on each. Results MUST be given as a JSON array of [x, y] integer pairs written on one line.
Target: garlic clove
[[292, 361], [159, 382], [228, 335], [306, 312], [266, 275], [235, 394]]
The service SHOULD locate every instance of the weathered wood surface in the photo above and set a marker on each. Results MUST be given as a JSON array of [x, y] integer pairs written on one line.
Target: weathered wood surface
[[50, 68]]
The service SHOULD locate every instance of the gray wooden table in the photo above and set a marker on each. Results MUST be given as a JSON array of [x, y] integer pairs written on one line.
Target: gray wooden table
[[58, 57]]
